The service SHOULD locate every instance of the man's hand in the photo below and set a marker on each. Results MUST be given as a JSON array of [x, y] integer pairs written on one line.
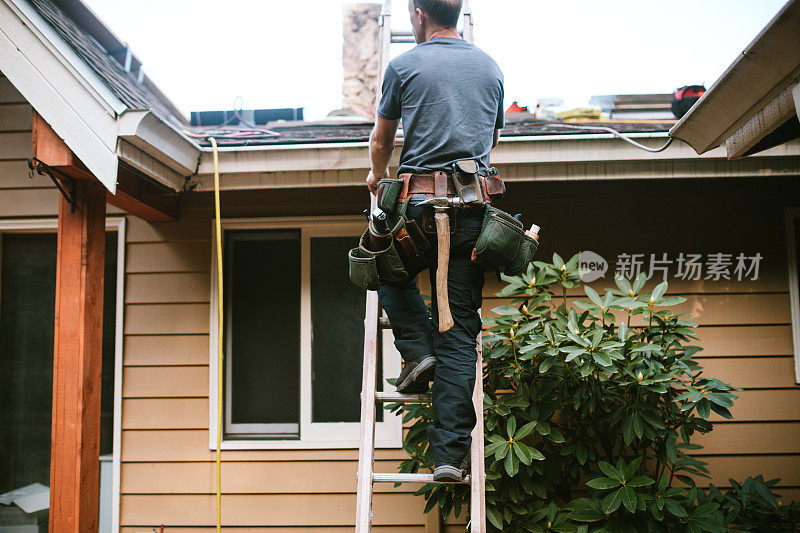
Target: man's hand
[[372, 180]]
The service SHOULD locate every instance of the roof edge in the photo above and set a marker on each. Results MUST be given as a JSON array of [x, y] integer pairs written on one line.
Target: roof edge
[[761, 71]]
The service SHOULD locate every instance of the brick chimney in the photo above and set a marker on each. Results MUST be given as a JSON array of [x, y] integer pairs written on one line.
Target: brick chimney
[[360, 58]]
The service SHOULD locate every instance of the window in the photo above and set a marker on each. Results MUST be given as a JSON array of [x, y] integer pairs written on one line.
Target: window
[[27, 295], [293, 338], [793, 256]]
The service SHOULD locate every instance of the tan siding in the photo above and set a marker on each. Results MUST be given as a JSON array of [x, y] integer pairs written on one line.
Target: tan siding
[[166, 319], [267, 509], [8, 93], [178, 350], [165, 382], [183, 287], [176, 256]]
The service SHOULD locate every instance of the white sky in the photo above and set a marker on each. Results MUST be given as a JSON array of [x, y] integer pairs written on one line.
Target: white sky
[[277, 53]]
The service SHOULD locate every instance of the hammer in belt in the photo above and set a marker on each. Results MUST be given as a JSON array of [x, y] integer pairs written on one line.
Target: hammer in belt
[[441, 203]]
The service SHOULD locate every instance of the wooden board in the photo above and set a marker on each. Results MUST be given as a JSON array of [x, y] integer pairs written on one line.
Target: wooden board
[[177, 350], [166, 319], [752, 372], [171, 287], [268, 510], [186, 256], [74, 469], [165, 382]]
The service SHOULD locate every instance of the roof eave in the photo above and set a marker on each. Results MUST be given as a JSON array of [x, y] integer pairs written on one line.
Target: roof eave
[[768, 65], [61, 88]]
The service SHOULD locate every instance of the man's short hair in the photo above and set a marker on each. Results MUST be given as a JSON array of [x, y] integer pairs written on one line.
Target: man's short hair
[[443, 12]]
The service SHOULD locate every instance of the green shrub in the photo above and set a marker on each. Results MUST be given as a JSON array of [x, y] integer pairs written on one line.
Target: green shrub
[[589, 410]]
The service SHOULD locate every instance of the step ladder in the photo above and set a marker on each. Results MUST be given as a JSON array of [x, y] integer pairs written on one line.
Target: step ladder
[[371, 399]]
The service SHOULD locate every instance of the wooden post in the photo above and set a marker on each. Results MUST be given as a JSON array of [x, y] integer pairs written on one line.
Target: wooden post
[[75, 441]]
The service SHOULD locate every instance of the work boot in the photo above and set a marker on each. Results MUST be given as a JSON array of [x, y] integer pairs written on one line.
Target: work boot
[[416, 375], [451, 473]]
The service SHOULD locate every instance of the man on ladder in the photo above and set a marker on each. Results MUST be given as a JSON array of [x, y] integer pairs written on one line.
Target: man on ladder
[[449, 95]]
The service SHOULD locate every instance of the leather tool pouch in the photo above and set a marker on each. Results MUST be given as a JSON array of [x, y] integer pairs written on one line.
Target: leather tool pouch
[[397, 256], [388, 192], [502, 243]]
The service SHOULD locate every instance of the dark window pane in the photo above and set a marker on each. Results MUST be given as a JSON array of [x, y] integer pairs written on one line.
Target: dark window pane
[[27, 300], [263, 331], [337, 338]]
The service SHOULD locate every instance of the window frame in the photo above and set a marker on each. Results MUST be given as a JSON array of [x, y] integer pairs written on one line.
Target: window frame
[[118, 224], [313, 435], [792, 215]]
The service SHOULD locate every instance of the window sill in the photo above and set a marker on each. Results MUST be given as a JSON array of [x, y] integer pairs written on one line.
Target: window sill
[[240, 444]]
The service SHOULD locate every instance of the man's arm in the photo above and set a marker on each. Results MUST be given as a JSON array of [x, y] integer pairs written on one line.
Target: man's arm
[[381, 146], [496, 139]]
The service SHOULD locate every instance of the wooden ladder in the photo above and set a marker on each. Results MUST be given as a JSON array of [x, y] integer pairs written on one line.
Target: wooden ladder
[[370, 398]]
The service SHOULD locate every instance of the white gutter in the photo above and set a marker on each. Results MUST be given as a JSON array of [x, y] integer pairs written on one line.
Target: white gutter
[[160, 139], [766, 67]]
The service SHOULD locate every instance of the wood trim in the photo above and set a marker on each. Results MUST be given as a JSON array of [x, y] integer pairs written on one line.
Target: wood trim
[[793, 213], [74, 468], [140, 197], [53, 151]]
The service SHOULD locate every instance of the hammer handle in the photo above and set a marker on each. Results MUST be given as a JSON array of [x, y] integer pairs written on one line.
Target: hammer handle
[[442, 298]]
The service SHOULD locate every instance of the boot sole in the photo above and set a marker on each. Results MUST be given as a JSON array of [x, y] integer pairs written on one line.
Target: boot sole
[[424, 372], [448, 473]]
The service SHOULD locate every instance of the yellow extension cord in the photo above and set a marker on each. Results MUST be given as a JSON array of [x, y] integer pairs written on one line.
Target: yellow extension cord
[[217, 213]]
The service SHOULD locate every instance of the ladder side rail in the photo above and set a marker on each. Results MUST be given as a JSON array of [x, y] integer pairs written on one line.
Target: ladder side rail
[[477, 461], [468, 31], [366, 447], [385, 37]]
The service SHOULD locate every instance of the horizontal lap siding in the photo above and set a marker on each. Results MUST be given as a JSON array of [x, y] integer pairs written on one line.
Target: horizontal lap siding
[[20, 196], [168, 470]]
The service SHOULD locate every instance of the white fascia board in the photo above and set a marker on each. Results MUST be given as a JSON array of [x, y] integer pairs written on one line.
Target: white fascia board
[[512, 150], [37, 62], [156, 137]]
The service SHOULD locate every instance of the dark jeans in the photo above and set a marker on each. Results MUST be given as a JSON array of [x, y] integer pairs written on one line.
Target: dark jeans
[[416, 336]]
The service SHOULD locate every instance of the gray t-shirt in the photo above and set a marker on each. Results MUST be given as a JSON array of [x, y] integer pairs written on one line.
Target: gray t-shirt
[[449, 94]]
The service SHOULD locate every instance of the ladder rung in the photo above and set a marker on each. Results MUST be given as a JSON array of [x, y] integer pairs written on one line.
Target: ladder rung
[[403, 37], [380, 477], [396, 397]]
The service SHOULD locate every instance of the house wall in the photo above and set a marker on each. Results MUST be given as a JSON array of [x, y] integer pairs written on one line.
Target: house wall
[[167, 468], [168, 471]]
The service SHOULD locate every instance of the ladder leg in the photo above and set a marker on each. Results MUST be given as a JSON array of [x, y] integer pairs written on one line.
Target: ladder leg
[[478, 470], [366, 448]]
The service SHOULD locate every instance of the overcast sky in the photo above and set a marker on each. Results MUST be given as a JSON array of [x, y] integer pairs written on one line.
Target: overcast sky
[[277, 53]]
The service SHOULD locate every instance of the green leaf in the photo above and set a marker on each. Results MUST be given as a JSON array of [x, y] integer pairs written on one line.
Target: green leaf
[[612, 502], [593, 296], [641, 481], [525, 430], [629, 498], [674, 508], [721, 398], [602, 358], [586, 515], [704, 409], [511, 464], [610, 471], [502, 451], [494, 517], [493, 447], [505, 310], [523, 452], [511, 426], [603, 483], [659, 291]]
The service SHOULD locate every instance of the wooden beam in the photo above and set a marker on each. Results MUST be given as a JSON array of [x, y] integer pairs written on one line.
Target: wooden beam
[[75, 439], [135, 193], [52, 150], [143, 198]]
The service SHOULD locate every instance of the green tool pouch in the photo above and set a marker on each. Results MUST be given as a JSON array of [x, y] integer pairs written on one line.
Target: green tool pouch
[[375, 260], [388, 191], [502, 243]]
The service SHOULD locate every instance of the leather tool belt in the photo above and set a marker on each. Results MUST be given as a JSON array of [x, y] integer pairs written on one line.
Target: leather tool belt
[[493, 187]]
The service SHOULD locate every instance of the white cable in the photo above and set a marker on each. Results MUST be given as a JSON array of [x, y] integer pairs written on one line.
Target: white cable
[[621, 136]]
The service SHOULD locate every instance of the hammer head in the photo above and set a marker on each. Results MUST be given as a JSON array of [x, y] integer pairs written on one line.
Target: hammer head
[[443, 202]]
